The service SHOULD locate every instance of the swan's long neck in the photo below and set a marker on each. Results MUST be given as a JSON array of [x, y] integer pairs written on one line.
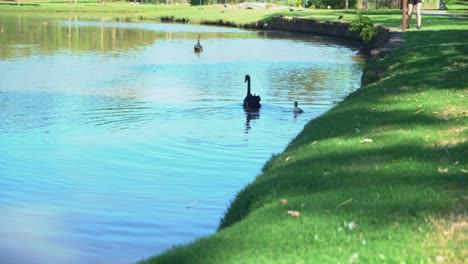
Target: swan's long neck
[[248, 87], [198, 42]]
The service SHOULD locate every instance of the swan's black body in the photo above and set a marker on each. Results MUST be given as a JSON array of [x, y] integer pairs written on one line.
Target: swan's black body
[[251, 101], [198, 47]]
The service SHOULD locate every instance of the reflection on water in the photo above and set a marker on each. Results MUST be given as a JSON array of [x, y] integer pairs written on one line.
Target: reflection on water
[[110, 130], [34, 234], [250, 115], [31, 36]]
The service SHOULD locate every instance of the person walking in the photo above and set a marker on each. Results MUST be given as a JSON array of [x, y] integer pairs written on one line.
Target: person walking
[[411, 4]]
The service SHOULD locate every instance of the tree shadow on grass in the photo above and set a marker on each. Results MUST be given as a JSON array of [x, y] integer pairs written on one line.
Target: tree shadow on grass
[[369, 115], [361, 121], [367, 111], [430, 63], [382, 197], [342, 171]]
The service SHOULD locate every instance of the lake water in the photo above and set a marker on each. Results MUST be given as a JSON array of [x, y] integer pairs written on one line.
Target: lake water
[[117, 141]]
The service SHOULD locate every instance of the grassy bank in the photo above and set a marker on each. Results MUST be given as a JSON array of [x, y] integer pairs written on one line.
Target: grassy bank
[[194, 14], [381, 178]]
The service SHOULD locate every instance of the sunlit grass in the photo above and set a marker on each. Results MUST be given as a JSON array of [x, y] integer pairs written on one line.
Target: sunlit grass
[[458, 7], [194, 14], [198, 14]]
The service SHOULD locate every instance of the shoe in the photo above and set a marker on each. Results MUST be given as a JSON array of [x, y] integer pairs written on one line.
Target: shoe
[[418, 27]]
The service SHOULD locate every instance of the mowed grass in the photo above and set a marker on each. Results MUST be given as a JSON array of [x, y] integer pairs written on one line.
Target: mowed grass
[[195, 14], [380, 178]]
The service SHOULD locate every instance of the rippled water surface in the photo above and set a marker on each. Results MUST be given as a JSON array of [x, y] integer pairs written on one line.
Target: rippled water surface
[[117, 141]]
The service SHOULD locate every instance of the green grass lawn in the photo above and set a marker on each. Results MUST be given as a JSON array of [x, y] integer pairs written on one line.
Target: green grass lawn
[[195, 14], [380, 178], [459, 7]]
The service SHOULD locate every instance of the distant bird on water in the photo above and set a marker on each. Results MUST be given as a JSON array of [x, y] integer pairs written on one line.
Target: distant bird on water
[[297, 110], [251, 101], [198, 47]]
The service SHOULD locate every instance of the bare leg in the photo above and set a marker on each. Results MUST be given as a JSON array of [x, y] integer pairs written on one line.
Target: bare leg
[[418, 13], [410, 13]]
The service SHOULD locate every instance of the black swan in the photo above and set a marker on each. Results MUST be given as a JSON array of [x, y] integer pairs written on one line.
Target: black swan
[[198, 47], [251, 101], [297, 110]]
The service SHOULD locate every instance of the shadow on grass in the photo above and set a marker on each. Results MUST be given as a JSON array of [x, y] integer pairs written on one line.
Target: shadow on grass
[[369, 111], [343, 123], [383, 197], [430, 63], [343, 171]]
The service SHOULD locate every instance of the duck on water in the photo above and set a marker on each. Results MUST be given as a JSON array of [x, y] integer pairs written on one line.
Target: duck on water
[[297, 109], [251, 101]]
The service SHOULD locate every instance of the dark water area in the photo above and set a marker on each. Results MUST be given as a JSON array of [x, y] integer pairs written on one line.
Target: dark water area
[[117, 141]]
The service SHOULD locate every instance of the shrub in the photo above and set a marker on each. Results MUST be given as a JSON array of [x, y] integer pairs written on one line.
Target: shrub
[[364, 26], [335, 4], [198, 2]]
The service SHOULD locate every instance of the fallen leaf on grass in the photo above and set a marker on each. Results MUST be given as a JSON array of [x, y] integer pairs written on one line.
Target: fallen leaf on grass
[[367, 140], [419, 111], [294, 213], [440, 170], [345, 202], [440, 259], [284, 201], [353, 258], [351, 225]]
